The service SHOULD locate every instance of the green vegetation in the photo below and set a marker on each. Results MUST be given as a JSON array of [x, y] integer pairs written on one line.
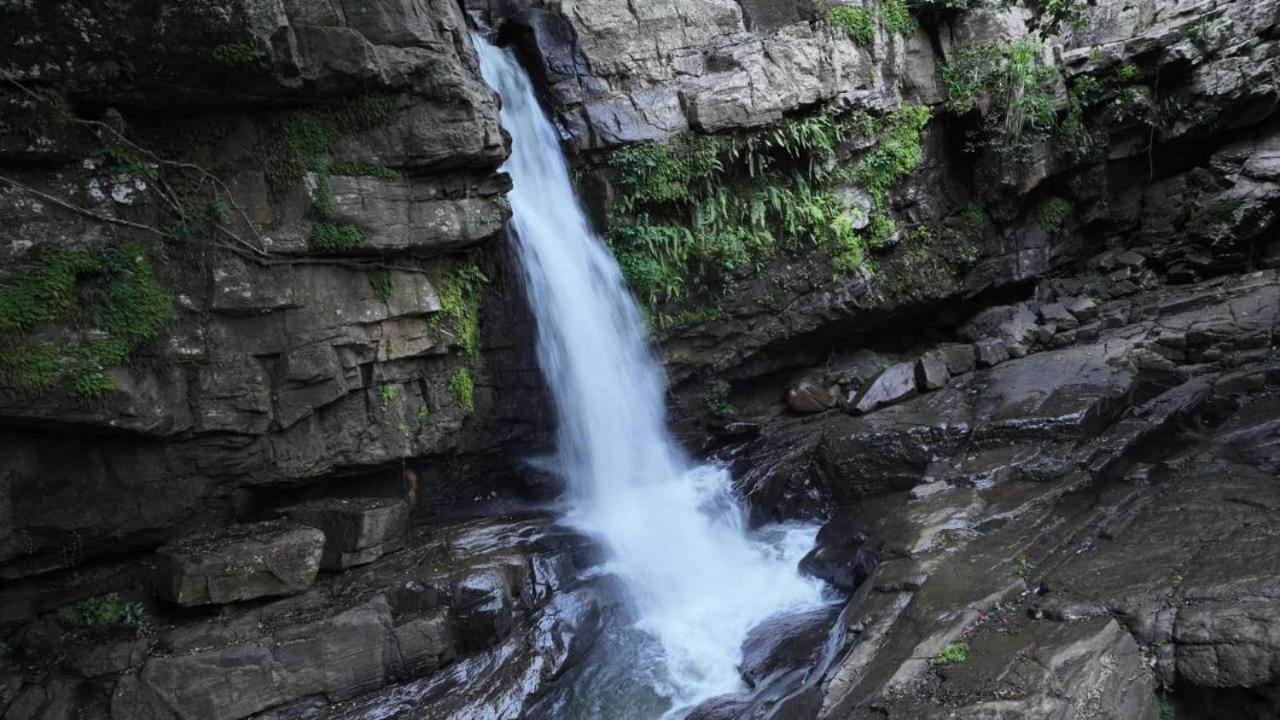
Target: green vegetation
[[239, 55], [897, 18], [1206, 217], [1054, 213], [104, 611], [463, 388], [1048, 16], [952, 654], [858, 23], [1011, 88], [5, 650], [461, 292], [300, 142], [693, 212], [1168, 711], [974, 220], [1022, 566], [717, 400], [424, 413], [380, 281], [76, 313], [333, 237], [386, 395]]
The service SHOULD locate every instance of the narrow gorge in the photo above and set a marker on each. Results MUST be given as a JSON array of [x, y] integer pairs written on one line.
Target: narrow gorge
[[639, 359]]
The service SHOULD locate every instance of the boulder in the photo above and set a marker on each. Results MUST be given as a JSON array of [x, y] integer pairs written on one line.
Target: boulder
[[240, 563], [895, 384], [990, 351], [1058, 315], [1082, 308], [931, 371], [960, 358], [356, 530], [807, 397]]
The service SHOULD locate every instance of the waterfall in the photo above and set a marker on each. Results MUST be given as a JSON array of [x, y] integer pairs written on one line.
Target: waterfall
[[698, 579]]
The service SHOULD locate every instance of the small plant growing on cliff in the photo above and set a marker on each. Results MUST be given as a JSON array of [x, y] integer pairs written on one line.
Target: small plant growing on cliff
[[461, 295], [952, 654], [858, 23], [896, 15], [1021, 565], [1011, 88], [380, 281], [239, 55], [463, 388], [1054, 214], [333, 237], [104, 611], [424, 413], [386, 395], [5, 651], [717, 401]]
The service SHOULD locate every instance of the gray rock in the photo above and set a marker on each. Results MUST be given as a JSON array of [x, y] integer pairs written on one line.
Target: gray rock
[[931, 370], [356, 530], [895, 384], [1058, 315], [989, 352], [1082, 308], [808, 397], [960, 358], [240, 563]]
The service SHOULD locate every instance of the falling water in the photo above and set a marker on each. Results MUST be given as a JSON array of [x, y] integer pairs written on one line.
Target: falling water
[[699, 581]]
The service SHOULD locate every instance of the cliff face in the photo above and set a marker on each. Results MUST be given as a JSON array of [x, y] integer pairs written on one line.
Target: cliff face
[[251, 257], [247, 246]]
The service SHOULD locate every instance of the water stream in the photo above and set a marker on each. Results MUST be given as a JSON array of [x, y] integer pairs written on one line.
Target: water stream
[[699, 580]]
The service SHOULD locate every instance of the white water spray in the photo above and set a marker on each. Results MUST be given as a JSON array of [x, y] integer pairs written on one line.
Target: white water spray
[[675, 532]]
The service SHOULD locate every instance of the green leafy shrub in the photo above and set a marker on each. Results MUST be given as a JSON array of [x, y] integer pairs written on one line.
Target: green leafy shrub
[[112, 291], [463, 388], [386, 395], [1011, 88], [952, 654], [858, 23], [690, 214], [897, 18]]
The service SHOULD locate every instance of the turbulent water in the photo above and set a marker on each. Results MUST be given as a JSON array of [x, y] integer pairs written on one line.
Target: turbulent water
[[699, 580]]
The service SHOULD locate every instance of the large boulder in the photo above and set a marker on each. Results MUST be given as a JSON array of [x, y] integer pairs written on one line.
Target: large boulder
[[895, 384], [240, 563], [356, 530]]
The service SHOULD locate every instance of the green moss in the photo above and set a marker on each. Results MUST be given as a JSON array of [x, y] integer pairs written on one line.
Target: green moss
[[463, 389], [461, 292], [1206, 217], [239, 55], [300, 141], [1054, 213], [858, 23], [103, 611], [424, 413], [386, 395], [380, 281], [952, 654], [974, 220], [334, 237], [111, 291]]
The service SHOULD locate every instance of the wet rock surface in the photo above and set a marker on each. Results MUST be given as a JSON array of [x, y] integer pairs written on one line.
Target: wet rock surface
[[1088, 526], [466, 600]]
